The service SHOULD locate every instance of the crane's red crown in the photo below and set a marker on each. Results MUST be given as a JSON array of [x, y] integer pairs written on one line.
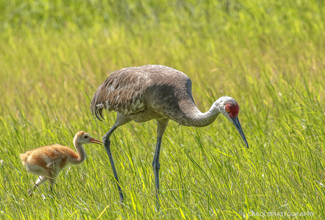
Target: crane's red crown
[[232, 109]]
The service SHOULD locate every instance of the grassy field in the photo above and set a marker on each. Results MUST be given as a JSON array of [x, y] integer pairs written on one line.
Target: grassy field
[[269, 55]]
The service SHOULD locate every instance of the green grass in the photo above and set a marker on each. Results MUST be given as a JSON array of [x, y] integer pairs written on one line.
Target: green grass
[[268, 55]]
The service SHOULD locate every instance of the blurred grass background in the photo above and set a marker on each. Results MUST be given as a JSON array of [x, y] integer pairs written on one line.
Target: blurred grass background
[[269, 55]]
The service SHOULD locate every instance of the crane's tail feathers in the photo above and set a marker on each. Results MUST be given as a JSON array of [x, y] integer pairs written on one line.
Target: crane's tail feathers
[[97, 109], [99, 114], [24, 157]]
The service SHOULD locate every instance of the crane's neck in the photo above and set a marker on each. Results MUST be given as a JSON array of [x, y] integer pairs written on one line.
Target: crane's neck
[[81, 153], [194, 117]]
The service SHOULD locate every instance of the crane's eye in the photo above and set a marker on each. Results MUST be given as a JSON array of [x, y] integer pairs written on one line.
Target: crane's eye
[[227, 110], [86, 136]]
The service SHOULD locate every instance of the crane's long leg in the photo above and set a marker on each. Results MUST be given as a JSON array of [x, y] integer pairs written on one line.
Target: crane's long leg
[[107, 144], [40, 180], [161, 127], [52, 178], [120, 120]]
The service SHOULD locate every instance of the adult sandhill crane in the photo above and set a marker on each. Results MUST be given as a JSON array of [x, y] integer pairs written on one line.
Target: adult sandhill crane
[[48, 161], [155, 92]]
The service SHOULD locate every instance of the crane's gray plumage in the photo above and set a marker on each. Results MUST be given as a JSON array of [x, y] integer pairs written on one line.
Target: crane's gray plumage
[[155, 92], [148, 92]]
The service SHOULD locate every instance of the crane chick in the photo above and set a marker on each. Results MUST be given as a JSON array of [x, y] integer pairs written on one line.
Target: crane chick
[[48, 161]]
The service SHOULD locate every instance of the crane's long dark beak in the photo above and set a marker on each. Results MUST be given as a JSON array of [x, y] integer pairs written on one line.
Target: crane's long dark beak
[[239, 129]]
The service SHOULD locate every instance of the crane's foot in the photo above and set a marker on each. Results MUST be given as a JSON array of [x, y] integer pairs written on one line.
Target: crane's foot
[[157, 201], [107, 144], [30, 191], [157, 206], [121, 198]]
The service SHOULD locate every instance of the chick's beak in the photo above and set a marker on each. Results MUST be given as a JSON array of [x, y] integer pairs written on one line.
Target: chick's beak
[[239, 129], [95, 141]]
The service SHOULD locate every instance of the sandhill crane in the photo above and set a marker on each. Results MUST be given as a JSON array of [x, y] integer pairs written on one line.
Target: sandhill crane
[[155, 92], [48, 161]]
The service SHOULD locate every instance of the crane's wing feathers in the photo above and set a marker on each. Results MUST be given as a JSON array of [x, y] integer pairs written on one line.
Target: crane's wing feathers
[[55, 162], [122, 92]]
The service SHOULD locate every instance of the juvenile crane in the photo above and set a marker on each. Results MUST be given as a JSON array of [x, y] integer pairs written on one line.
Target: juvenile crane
[[48, 161], [155, 92]]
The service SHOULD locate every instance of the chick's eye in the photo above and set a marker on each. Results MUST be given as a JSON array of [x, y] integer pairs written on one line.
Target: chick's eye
[[86, 137], [227, 110]]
